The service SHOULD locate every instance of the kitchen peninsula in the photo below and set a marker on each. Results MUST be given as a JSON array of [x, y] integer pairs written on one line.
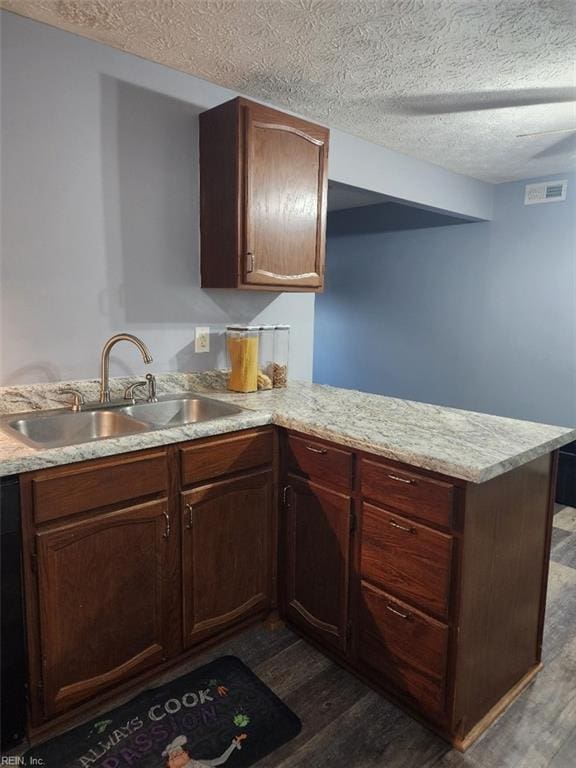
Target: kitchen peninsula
[[409, 542]]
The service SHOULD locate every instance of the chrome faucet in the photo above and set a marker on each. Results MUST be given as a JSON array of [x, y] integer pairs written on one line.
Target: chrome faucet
[[105, 361], [130, 391]]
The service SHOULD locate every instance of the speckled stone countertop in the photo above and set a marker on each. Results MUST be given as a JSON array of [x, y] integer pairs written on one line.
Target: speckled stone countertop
[[463, 444]]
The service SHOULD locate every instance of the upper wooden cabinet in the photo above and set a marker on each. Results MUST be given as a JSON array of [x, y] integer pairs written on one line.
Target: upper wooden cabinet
[[263, 183]]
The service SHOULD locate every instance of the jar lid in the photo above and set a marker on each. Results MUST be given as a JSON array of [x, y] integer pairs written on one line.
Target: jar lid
[[242, 327], [282, 327]]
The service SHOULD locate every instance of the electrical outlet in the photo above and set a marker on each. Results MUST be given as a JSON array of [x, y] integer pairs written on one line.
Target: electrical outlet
[[202, 340]]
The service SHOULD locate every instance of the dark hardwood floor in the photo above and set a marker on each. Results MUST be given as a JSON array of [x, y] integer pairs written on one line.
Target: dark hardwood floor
[[346, 725]]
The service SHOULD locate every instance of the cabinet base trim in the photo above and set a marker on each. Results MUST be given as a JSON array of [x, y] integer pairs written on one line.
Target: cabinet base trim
[[464, 742], [461, 743]]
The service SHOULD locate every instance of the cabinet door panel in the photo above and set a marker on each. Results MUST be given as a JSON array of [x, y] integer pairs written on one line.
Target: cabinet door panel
[[317, 543], [285, 172], [227, 553], [101, 584]]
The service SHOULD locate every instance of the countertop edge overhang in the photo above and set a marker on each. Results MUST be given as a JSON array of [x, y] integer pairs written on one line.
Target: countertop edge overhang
[[466, 445]]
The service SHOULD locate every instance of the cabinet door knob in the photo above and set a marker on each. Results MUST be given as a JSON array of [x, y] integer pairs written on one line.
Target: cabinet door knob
[[316, 450], [402, 615], [166, 533], [406, 528], [190, 509]]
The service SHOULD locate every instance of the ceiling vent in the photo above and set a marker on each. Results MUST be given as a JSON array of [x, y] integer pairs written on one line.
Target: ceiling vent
[[545, 192]]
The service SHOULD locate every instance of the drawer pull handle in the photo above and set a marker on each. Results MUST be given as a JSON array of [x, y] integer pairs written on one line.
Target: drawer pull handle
[[287, 490], [402, 479], [402, 615], [190, 510], [406, 528], [323, 451], [166, 533]]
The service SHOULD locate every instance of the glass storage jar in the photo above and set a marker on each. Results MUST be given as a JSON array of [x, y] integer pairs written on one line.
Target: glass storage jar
[[242, 347], [266, 356], [281, 352]]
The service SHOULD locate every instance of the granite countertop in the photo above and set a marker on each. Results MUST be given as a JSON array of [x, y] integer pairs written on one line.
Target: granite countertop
[[471, 446]]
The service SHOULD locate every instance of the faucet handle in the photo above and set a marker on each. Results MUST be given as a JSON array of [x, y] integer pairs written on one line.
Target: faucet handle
[[129, 391], [78, 400], [151, 379]]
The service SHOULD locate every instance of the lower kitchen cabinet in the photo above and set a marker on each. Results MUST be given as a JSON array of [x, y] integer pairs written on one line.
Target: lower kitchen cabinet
[[227, 544], [316, 556], [132, 560], [429, 588], [101, 586], [440, 583]]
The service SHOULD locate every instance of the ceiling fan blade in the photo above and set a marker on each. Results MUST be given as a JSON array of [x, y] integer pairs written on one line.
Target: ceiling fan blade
[[473, 101], [545, 133]]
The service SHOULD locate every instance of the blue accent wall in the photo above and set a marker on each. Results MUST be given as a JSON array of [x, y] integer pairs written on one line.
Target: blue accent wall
[[386, 217], [479, 315]]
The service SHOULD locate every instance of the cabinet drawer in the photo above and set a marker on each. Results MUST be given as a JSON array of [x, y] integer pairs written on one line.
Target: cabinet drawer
[[406, 634], [317, 461], [234, 453], [416, 495], [410, 560], [408, 683], [58, 493]]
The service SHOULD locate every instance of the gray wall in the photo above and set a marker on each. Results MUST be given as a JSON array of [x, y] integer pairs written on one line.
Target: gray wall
[[100, 215], [100, 210], [479, 316], [362, 164]]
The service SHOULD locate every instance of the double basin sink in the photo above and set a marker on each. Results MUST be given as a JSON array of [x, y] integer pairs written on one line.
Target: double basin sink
[[57, 428]]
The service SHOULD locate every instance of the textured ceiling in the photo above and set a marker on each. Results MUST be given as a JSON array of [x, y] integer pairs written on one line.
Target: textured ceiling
[[448, 81]]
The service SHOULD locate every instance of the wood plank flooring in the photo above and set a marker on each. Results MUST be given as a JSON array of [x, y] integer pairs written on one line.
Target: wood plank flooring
[[346, 725]]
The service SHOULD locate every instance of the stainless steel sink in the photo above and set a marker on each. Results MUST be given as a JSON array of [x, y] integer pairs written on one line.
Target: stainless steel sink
[[175, 412], [52, 429]]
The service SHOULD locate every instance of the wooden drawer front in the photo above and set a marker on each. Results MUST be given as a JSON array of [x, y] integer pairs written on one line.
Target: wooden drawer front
[[233, 453], [58, 493], [406, 634], [419, 496], [411, 685], [330, 466], [408, 559]]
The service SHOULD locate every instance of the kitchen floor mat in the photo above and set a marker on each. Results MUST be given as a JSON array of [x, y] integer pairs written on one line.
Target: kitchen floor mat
[[219, 714]]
